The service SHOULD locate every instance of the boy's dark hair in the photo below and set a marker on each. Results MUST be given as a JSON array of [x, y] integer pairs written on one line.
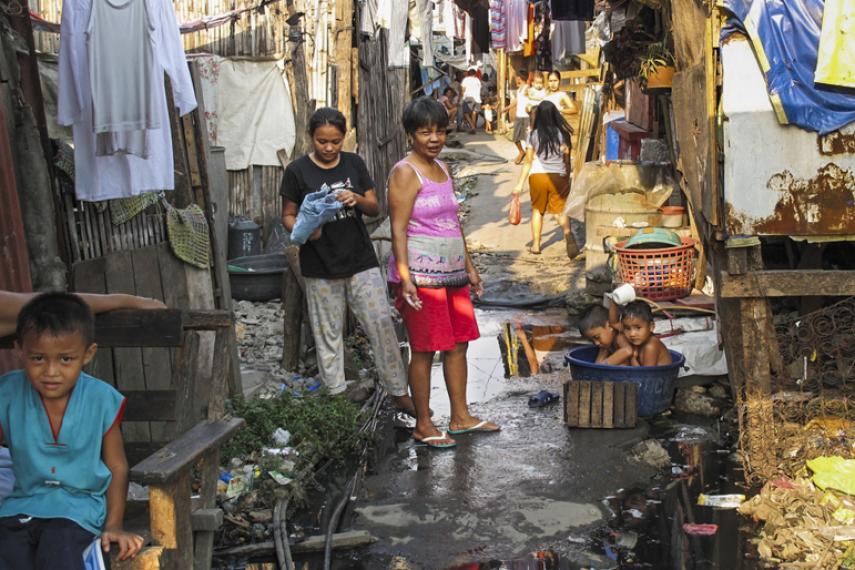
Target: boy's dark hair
[[56, 314], [593, 316], [637, 310], [327, 116], [523, 73], [424, 112]]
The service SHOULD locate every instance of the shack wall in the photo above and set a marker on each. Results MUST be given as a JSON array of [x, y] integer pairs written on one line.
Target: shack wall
[[779, 179]]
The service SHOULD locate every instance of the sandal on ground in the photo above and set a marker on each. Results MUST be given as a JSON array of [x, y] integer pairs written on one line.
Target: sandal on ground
[[441, 441], [480, 427], [534, 251], [571, 245], [519, 159]]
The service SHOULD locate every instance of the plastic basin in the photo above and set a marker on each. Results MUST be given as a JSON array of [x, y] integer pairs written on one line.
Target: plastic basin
[[257, 277], [655, 383]]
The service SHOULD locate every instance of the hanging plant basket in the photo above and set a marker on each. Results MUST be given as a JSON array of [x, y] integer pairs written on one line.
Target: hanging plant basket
[[661, 78]]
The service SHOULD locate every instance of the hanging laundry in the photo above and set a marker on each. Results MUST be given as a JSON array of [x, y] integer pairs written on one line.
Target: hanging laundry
[[121, 175], [421, 14], [459, 23], [573, 10], [498, 38], [398, 48], [517, 24], [368, 18], [528, 42], [124, 105], [250, 134], [568, 38], [542, 44]]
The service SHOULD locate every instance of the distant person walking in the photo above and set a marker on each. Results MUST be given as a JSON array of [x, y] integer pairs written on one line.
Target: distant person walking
[[338, 262], [547, 168], [521, 117], [432, 272], [471, 86]]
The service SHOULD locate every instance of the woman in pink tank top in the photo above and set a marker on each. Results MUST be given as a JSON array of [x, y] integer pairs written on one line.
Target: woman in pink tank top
[[432, 273]]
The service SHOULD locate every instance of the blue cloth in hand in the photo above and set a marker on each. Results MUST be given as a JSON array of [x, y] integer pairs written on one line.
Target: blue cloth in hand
[[317, 209]]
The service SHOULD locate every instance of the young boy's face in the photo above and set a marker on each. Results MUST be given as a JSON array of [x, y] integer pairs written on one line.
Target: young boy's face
[[637, 330], [603, 335], [53, 363]]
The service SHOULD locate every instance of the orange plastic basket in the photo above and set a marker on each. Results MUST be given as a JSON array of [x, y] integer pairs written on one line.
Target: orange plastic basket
[[661, 274]]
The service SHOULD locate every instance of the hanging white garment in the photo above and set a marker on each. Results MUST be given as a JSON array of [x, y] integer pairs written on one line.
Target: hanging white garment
[[121, 66], [121, 175], [251, 134], [424, 13], [398, 47]]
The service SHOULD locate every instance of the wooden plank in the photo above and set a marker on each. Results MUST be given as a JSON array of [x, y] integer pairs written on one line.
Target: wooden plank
[[571, 400], [620, 404], [124, 328], [89, 277], [170, 509], [147, 559], [585, 404], [206, 519], [156, 361], [183, 380], [788, 283], [209, 467], [207, 319], [181, 454], [150, 405], [631, 408], [608, 404], [128, 361], [596, 404], [316, 543]]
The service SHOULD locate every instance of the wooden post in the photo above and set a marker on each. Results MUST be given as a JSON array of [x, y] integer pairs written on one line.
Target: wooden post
[[502, 80], [169, 518], [300, 86], [343, 54]]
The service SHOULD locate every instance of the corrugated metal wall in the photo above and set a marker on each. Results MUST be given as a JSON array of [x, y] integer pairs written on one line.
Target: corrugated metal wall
[[14, 261]]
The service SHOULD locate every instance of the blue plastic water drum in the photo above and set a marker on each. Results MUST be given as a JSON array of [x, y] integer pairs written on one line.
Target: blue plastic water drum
[[612, 143], [655, 383]]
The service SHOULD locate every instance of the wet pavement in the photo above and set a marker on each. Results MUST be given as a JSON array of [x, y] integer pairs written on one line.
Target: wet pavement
[[497, 496]]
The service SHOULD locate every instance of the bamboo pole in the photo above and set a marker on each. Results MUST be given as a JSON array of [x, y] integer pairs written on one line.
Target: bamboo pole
[[501, 80], [343, 54]]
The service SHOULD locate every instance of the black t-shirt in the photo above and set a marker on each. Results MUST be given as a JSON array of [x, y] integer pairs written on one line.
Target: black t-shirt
[[344, 248]]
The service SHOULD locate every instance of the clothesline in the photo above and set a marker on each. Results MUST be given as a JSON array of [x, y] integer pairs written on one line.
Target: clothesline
[[206, 23]]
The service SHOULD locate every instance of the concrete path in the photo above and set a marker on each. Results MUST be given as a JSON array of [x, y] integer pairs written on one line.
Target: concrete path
[[536, 484]]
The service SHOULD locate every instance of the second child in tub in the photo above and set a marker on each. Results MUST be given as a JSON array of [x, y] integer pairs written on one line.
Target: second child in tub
[[635, 322]]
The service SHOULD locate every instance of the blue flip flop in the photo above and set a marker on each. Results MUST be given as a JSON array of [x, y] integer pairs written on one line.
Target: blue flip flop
[[479, 427]]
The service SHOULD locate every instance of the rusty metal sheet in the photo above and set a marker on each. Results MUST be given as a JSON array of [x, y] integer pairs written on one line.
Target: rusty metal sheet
[[779, 180], [14, 261]]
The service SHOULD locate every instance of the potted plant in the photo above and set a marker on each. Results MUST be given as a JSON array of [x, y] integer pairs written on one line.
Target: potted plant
[[656, 68]]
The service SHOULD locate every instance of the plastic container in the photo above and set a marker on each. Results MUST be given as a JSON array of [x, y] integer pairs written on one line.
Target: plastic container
[[672, 216], [244, 238], [257, 277], [655, 383], [659, 274]]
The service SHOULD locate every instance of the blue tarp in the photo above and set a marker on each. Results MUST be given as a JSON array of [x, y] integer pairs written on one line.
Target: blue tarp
[[785, 35]]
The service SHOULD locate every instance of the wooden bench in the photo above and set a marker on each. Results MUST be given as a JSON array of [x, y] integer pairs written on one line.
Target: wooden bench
[[181, 532]]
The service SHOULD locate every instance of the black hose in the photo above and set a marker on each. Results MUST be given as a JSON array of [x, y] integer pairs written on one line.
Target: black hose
[[280, 535], [349, 490], [336, 515]]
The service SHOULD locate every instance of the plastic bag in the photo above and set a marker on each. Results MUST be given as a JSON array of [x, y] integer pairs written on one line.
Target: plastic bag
[[834, 472], [514, 213], [317, 209]]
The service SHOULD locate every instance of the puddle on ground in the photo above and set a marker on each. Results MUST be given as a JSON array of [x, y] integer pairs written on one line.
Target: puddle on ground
[[513, 344]]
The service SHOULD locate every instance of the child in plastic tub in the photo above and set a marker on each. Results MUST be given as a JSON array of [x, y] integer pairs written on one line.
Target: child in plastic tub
[[614, 348]]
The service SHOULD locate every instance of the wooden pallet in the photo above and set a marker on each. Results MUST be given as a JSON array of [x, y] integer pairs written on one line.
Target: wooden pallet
[[595, 404]]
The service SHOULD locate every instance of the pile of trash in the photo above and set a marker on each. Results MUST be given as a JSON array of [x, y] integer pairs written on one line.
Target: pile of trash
[[805, 526]]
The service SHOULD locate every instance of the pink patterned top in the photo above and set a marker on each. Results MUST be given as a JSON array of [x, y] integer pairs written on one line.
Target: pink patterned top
[[434, 240]]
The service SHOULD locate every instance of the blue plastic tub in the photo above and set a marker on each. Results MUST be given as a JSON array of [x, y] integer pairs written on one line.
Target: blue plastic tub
[[655, 383]]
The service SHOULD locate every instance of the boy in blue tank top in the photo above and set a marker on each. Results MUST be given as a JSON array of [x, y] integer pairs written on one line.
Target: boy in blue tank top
[[62, 429]]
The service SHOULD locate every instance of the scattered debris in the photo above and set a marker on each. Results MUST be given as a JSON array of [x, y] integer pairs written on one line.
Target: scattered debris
[[652, 453], [691, 401], [801, 529], [731, 501], [694, 529]]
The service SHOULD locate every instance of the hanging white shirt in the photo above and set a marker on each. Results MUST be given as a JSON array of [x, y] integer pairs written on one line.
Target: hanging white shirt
[[121, 175]]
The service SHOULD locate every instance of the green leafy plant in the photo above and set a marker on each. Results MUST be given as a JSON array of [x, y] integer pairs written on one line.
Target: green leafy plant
[[656, 57], [322, 427]]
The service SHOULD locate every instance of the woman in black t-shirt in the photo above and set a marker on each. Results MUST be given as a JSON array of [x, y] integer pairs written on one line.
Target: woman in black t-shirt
[[338, 261]]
